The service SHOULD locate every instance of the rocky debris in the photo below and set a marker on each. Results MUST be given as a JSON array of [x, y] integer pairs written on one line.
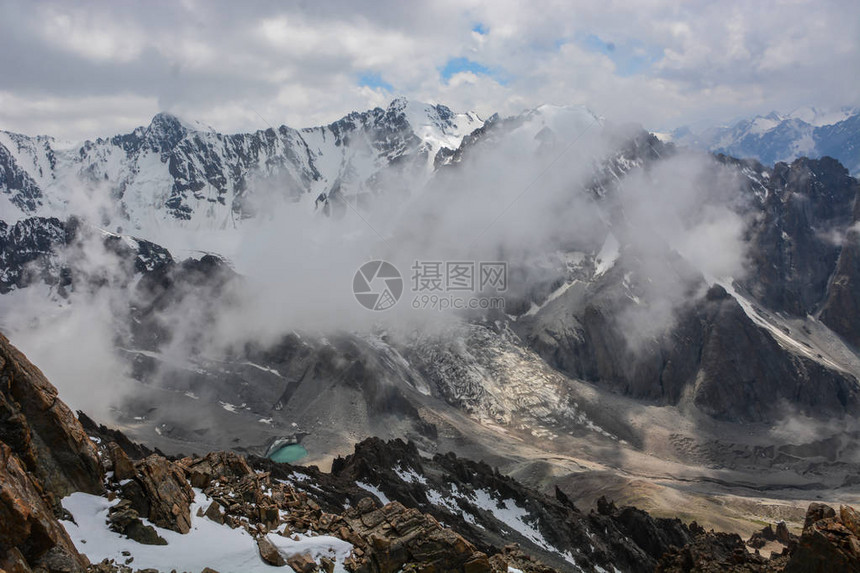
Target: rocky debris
[[711, 552], [30, 535], [511, 556], [830, 542], [122, 518], [760, 538], [42, 431], [782, 535], [327, 565], [628, 538], [302, 563], [651, 537], [215, 465], [270, 554], [213, 512], [397, 537], [111, 566], [168, 495]]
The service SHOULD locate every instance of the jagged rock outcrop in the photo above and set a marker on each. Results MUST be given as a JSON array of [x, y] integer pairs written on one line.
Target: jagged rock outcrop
[[269, 553], [711, 552], [42, 431], [126, 520], [760, 538], [653, 536], [400, 537], [44, 455], [202, 471], [492, 510], [30, 535], [830, 541], [167, 494]]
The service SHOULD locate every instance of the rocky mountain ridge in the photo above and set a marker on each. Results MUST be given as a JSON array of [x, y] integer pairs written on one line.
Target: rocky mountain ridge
[[774, 138], [172, 173]]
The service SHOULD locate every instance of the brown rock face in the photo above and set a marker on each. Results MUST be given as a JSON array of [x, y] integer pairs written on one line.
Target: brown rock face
[[303, 563], [399, 536], [169, 495], [42, 431], [215, 465], [29, 533], [123, 467], [269, 553], [829, 543]]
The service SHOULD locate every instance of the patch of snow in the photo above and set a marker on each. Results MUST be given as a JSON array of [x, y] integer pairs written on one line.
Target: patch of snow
[[508, 512], [410, 476], [608, 255], [208, 544], [553, 295], [263, 368], [375, 491]]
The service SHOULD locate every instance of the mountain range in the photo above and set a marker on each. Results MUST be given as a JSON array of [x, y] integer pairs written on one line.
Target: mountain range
[[805, 132], [679, 328]]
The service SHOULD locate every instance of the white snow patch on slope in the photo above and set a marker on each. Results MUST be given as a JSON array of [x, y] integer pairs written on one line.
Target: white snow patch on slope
[[608, 255], [409, 476], [208, 544], [783, 339], [374, 490], [514, 516], [553, 295]]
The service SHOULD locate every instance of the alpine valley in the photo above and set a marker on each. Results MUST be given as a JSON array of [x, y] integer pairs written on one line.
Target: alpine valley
[[678, 331]]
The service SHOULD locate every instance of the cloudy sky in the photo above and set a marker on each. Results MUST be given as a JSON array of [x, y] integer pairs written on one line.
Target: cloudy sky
[[84, 69]]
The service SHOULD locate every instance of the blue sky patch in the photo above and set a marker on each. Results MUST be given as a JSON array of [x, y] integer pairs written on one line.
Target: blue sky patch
[[374, 81], [481, 29], [457, 65]]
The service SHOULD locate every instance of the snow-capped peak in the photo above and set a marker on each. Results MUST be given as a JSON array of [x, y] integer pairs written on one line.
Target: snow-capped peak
[[166, 120], [436, 125], [819, 118]]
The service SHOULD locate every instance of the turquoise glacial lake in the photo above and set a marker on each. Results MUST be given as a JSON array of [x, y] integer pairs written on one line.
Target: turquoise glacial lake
[[289, 454]]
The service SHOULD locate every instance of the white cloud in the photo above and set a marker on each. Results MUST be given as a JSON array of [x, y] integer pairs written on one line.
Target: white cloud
[[227, 65]]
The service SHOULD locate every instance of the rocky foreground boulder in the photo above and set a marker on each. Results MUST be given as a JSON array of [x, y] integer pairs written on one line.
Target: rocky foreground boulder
[[30, 534], [42, 431], [830, 541]]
